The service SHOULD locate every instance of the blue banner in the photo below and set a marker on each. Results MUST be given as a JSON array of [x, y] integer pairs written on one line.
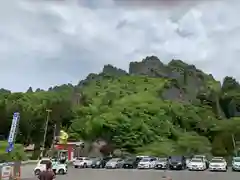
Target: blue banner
[[13, 131]]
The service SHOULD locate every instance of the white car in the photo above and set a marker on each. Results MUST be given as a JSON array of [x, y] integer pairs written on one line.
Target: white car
[[236, 164], [56, 166], [218, 164], [147, 163], [197, 164], [82, 162], [203, 157]]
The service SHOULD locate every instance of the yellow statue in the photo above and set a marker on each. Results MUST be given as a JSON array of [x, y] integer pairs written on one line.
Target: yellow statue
[[63, 137]]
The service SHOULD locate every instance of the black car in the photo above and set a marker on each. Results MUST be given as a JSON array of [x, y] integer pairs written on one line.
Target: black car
[[161, 163], [100, 162], [177, 162], [131, 163]]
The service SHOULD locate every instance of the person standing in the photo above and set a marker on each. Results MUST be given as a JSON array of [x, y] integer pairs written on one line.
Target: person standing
[[48, 174]]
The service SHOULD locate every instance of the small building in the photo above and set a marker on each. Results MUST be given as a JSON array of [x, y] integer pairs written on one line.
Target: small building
[[73, 149]]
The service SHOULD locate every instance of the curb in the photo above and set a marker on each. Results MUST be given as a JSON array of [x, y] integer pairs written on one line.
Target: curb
[[29, 162]]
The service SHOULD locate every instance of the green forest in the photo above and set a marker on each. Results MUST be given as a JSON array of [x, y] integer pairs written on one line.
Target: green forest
[[155, 108]]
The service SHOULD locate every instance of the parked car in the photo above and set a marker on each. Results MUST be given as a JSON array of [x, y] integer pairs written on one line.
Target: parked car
[[82, 162], [204, 158], [218, 164], [58, 168], [177, 162], [141, 157], [100, 162], [147, 163], [197, 164], [236, 164], [161, 163], [218, 157], [114, 163], [131, 163]]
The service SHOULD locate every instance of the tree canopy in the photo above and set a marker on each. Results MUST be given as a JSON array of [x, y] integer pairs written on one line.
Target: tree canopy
[[155, 109]]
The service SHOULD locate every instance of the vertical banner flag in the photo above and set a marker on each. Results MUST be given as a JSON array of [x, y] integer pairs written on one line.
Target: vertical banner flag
[[13, 131]]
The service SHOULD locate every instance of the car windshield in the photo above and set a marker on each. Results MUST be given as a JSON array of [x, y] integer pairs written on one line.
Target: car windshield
[[145, 159], [96, 159], [196, 160], [198, 156], [162, 159], [236, 160], [130, 159], [114, 160], [45, 161], [217, 161], [176, 158]]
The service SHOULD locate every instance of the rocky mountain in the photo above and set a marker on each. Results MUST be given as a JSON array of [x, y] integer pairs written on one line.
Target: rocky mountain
[[154, 108]]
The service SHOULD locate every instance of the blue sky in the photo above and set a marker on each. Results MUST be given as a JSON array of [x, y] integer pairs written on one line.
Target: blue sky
[[49, 42]]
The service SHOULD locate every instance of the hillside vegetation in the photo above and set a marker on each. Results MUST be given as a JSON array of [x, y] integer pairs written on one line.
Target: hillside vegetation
[[155, 108]]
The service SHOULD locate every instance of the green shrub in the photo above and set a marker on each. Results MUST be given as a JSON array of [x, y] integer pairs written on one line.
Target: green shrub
[[17, 154]]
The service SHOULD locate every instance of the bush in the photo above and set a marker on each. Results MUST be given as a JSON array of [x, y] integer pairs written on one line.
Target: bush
[[17, 154]]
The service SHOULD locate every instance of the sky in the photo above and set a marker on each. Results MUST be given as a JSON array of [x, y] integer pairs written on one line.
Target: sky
[[45, 43]]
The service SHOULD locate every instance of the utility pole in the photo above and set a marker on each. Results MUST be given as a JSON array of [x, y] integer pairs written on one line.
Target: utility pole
[[45, 132], [54, 136]]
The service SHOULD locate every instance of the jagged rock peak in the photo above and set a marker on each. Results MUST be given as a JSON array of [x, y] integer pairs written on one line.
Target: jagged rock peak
[[110, 69], [148, 66], [230, 83], [152, 59], [181, 64]]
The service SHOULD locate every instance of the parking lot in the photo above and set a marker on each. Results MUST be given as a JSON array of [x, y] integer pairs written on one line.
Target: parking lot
[[123, 174]]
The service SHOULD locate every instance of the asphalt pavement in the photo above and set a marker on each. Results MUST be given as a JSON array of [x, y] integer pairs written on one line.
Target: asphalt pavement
[[134, 174]]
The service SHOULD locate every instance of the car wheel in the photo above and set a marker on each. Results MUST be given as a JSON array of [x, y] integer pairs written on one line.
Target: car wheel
[[76, 166], [37, 172], [84, 165], [61, 171]]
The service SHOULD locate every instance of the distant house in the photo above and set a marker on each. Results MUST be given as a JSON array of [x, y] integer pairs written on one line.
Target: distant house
[[30, 147]]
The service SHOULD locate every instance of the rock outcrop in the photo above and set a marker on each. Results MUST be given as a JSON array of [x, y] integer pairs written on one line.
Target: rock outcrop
[[150, 66], [111, 70], [188, 76]]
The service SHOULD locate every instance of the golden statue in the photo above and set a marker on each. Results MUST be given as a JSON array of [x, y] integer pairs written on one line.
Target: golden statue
[[63, 137]]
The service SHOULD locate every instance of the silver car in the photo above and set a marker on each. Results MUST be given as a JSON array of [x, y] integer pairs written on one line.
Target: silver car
[[161, 163], [236, 164], [114, 163]]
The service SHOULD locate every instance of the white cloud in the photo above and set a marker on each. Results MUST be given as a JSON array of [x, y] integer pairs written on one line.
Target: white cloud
[[44, 43]]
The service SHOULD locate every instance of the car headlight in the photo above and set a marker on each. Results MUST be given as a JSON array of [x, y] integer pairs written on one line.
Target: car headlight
[[98, 163]]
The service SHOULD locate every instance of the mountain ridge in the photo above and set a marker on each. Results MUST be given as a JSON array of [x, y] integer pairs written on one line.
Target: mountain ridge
[[154, 108]]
